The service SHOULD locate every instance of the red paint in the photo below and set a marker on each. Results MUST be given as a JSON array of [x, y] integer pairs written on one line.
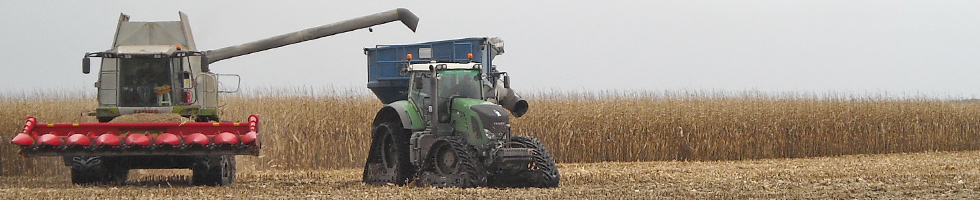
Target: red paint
[[196, 138], [207, 128], [137, 139], [49, 139], [167, 138], [23, 139], [226, 138], [79, 139], [249, 137], [31, 121], [107, 139], [146, 111], [253, 123], [115, 134]]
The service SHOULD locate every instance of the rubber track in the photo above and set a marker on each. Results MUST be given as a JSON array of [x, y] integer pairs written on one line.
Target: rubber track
[[543, 173], [375, 170], [471, 174]]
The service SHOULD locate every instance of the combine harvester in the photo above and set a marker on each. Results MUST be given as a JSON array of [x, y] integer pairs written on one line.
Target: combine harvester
[[445, 121], [154, 67]]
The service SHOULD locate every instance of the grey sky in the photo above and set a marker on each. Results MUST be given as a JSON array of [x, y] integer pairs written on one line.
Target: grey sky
[[897, 47]]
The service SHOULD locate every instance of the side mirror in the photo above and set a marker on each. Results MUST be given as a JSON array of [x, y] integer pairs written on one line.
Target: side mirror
[[86, 65], [417, 82], [403, 69], [225, 83], [506, 81], [204, 64]]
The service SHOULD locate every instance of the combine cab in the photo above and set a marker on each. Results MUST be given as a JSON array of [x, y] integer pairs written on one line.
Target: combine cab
[[155, 67]]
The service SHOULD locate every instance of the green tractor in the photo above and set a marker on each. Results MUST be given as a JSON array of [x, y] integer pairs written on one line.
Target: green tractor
[[446, 121]]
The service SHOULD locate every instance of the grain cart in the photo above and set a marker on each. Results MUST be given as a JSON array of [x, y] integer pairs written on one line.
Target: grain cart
[[155, 67], [445, 121]]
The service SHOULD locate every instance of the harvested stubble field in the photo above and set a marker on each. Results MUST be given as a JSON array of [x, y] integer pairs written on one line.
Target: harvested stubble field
[[932, 175], [318, 133]]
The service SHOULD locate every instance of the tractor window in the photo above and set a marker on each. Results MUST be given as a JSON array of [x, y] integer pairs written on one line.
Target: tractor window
[[419, 94], [464, 84], [416, 91], [145, 82]]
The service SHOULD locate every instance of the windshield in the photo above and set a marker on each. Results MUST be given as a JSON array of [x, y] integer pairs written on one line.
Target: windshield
[[461, 83], [144, 82]]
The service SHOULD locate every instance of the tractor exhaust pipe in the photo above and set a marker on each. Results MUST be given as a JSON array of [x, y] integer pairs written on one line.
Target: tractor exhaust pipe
[[402, 14], [434, 82]]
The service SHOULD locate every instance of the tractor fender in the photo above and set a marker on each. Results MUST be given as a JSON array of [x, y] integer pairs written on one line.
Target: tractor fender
[[403, 112]]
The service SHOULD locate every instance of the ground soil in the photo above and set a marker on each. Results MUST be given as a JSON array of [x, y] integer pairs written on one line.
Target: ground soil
[[929, 175]]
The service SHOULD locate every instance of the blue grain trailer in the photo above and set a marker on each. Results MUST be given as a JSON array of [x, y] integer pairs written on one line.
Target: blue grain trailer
[[386, 62]]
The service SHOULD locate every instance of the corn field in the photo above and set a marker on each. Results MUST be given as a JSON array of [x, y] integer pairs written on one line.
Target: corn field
[[331, 129]]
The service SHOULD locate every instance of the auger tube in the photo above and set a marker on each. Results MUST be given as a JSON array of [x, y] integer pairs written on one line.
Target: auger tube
[[402, 14], [513, 102]]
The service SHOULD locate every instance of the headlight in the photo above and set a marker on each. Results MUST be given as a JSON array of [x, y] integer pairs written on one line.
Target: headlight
[[488, 134]]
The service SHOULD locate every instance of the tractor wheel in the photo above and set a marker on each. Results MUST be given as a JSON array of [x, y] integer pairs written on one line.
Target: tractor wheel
[[214, 170], [541, 173], [451, 163], [388, 159], [87, 170], [117, 174], [97, 169]]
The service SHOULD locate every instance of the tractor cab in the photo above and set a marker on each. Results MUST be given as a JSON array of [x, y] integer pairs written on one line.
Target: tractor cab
[[455, 81]]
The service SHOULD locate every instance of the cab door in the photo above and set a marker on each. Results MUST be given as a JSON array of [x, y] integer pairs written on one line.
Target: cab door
[[108, 81]]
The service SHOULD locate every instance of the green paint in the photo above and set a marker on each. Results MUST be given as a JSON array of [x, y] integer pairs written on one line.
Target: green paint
[[208, 112], [462, 117], [413, 113], [106, 111]]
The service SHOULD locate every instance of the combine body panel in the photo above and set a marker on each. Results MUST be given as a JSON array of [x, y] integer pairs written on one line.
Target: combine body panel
[[446, 121], [156, 67]]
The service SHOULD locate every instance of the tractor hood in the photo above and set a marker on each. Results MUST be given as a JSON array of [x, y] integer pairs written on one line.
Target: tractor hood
[[483, 117], [493, 117]]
